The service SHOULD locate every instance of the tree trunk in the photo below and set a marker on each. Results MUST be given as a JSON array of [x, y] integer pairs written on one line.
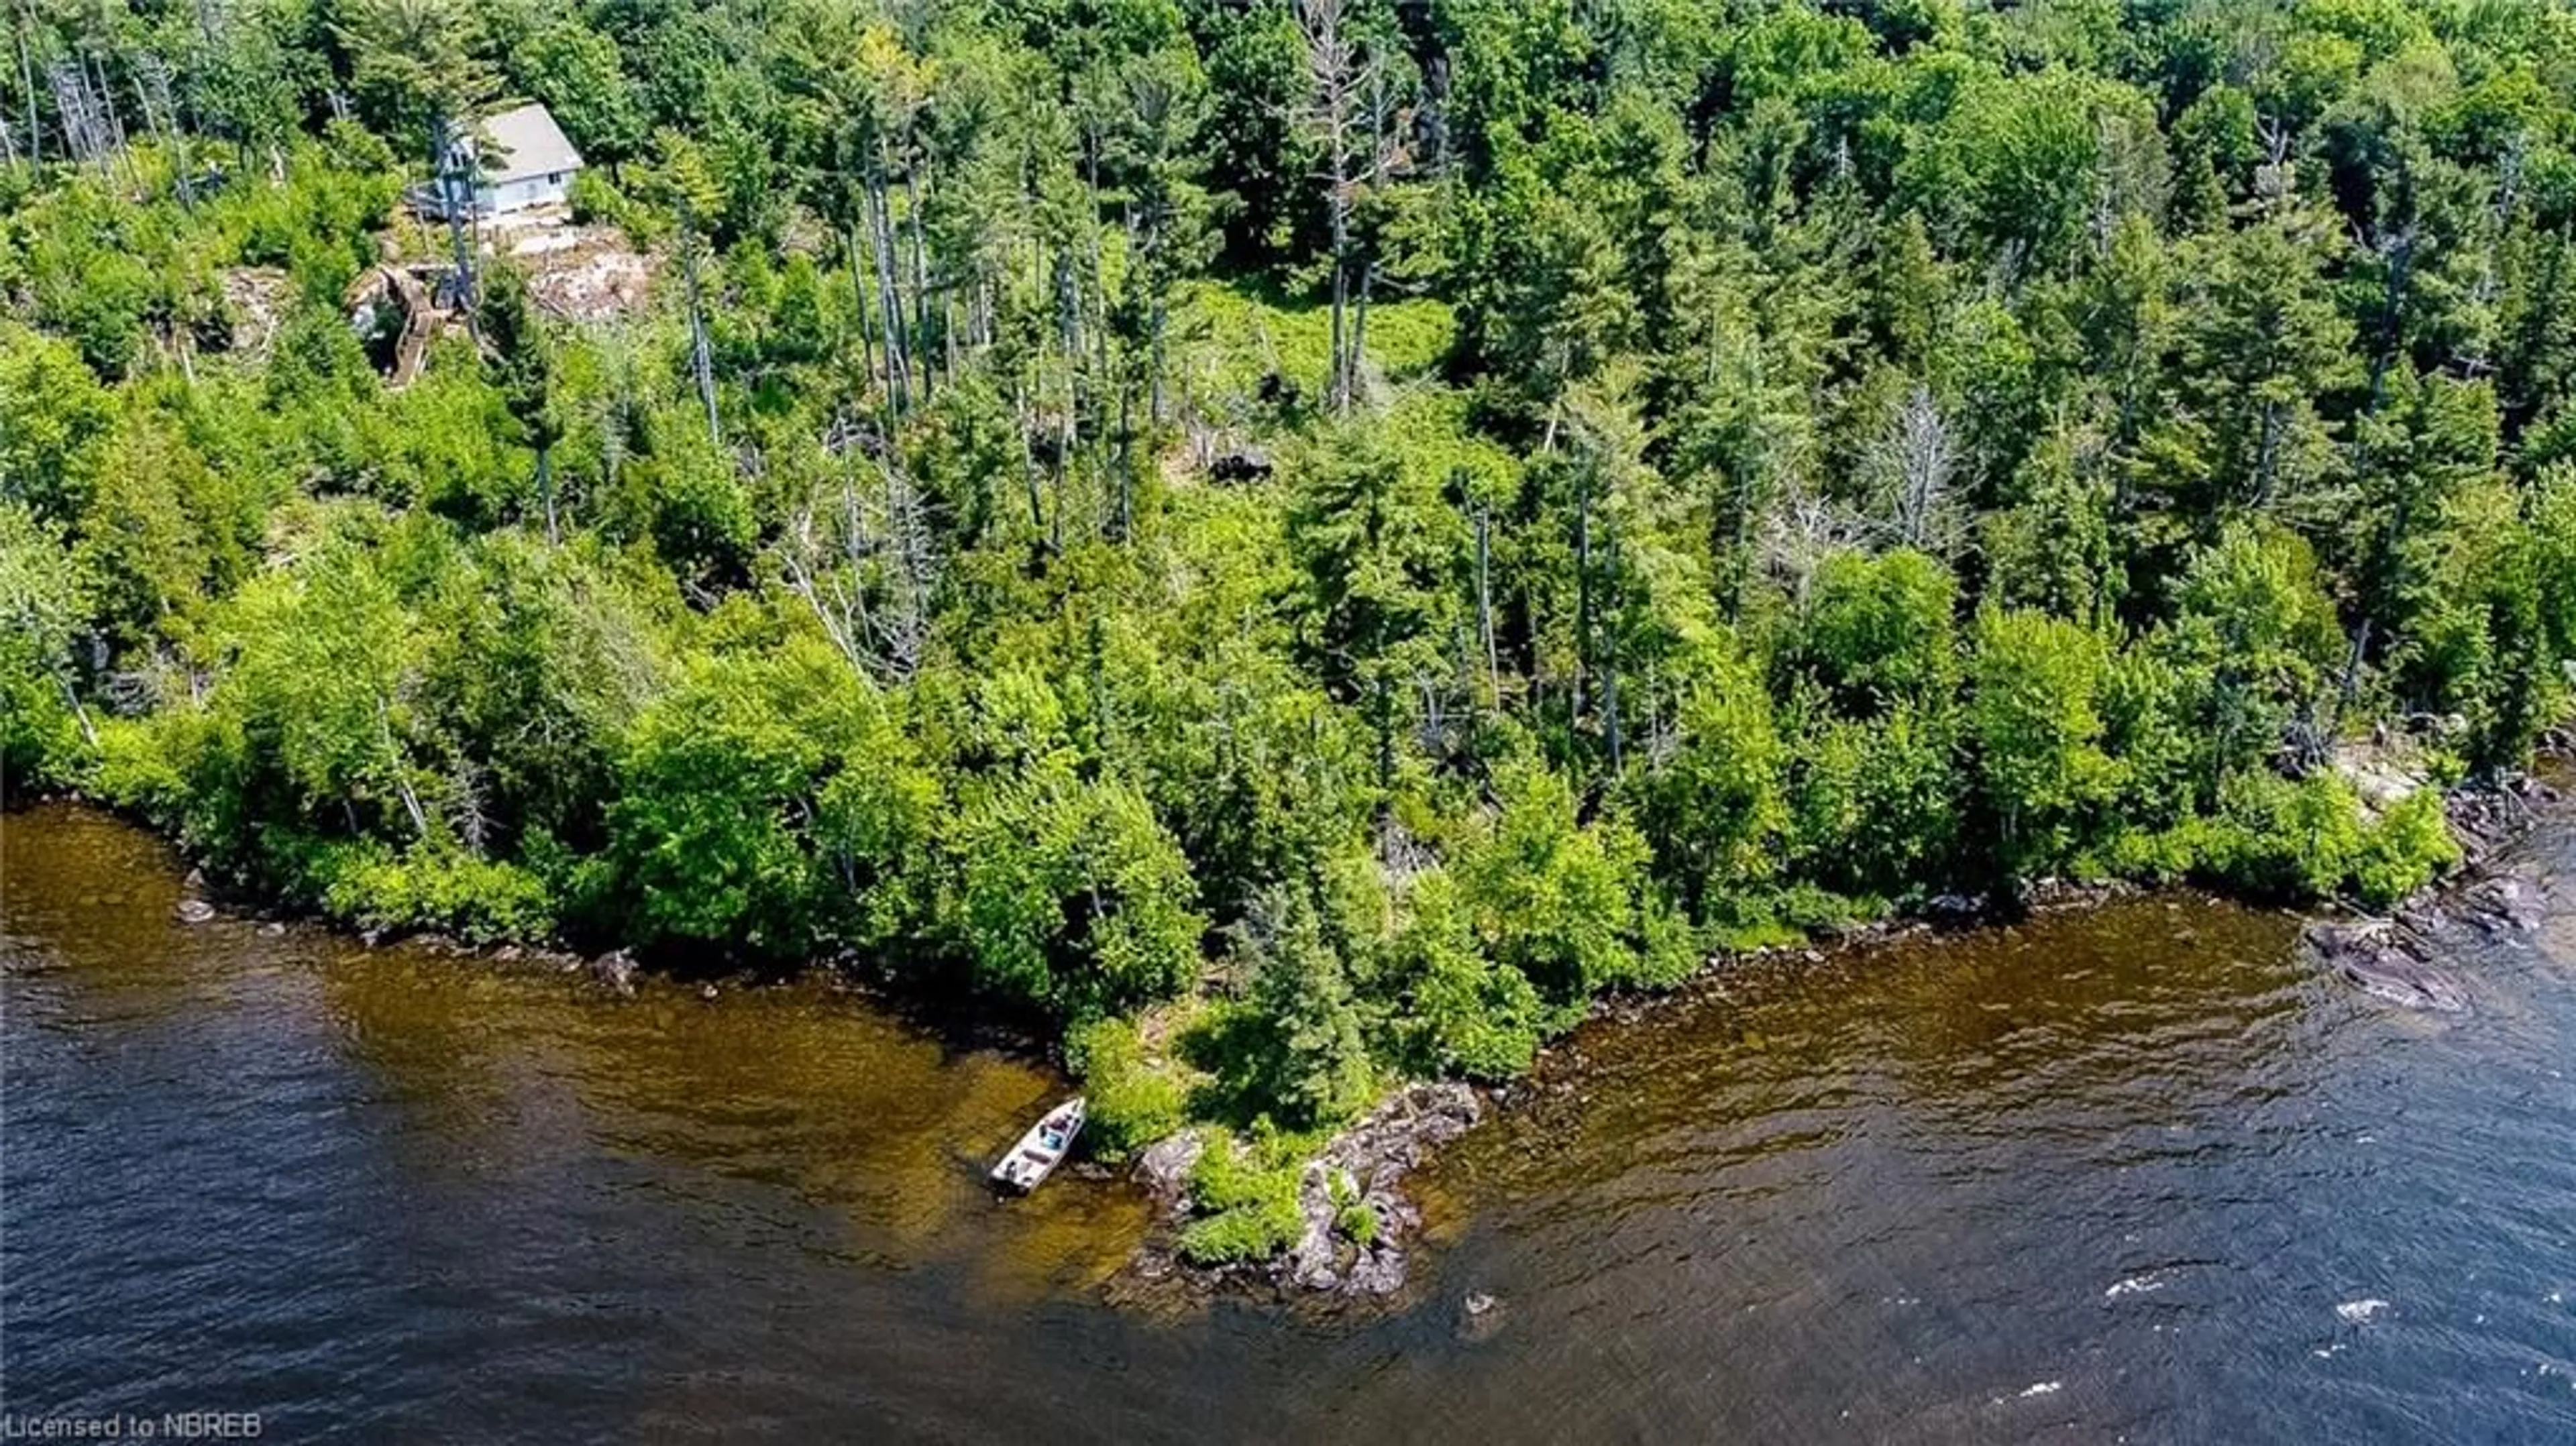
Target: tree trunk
[[115, 122], [1739, 564], [701, 361], [920, 266], [2266, 450], [889, 286], [80, 714], [1336, 387], [1610, 673], [1485, 606], [1154, 329], [2392, 323], [27, 78], [1126, 464], [1021, 421], [1582, 594], [859, 299], [1099, 273], [546, 490], [1383, 706], [1359, 335], [455, 193]]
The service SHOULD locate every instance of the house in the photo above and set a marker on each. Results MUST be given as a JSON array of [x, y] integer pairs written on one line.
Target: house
[[521, 160]]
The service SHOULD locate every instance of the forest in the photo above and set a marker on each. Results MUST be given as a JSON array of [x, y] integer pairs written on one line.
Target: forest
[[1289, 545]]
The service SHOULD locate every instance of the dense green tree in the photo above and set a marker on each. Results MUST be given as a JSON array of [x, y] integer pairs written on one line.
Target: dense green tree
[[1303, 1052], [42, 602], [53, 418], [2038, 730], [1071, 896], [522, 364], [1478, 503]]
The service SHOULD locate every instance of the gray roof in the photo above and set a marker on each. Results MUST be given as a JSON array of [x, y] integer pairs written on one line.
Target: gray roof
[[524, 142]]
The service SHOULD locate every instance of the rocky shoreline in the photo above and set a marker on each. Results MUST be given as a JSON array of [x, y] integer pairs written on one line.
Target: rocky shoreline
[[2396, 956], [1368, 1159], [2390, 957]]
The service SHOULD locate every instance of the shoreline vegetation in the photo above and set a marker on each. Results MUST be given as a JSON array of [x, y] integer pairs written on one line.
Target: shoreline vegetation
[[1287, 549], [1354, 1218]]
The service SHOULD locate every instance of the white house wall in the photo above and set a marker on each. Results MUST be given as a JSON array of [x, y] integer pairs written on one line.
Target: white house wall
[[520, 195]]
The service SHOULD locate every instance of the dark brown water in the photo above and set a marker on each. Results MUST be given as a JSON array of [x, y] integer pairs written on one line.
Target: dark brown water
[[2134, 1175]]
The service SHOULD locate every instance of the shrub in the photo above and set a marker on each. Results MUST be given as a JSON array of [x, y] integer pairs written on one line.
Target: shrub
[[1555, 898], [1133, 1102], [2038, 729], [1359, 1222], [2406, 849], [431, 886], [2281, 839], [1353, 1217], [1247, 1199]]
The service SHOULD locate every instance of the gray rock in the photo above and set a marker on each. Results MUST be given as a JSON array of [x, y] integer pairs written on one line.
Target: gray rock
[[194, 911], [616, 969], [2510, 903], [2378, 959], [1310, 1261], [1376, 1272], [1164, 1168]]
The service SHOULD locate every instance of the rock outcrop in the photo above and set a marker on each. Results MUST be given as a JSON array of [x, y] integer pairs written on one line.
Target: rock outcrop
[[2399, 958], [1361, 1170]]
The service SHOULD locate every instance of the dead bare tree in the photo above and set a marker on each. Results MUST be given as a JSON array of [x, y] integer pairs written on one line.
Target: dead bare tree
[[26, 28], [2275, 177], [86, 137], [865, 561], [1800, 533], [1348, 115], [152, 90], [1911, 465]]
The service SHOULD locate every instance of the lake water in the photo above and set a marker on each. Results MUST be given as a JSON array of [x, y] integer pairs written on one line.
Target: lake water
[[2137, 1174]]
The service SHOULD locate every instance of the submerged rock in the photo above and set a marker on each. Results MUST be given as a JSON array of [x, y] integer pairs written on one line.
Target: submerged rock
[[194, 911], [2507, 904], [1479, 1317], [2382, 960]]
